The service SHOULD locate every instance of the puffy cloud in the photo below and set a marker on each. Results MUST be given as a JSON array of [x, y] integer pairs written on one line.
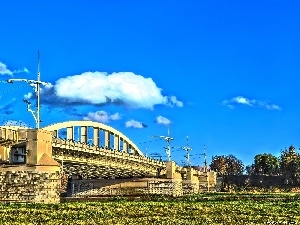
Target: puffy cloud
[[172, 101], [5, 71], [135, 124], [162, 120], [115, 116], [15, 123], [124, 88], [23, 70], [250, 102], [102, 116]]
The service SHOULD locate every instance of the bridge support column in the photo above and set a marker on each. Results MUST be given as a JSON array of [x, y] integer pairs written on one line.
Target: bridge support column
[[191, 184], [83, 134], [96, 136], [171, 171], [125, 146], [106, 138], [133, 151], [70, 133], [175, 177], [39, 143], [212, 180], [3, 153], [203, 182], [116, 142], [55, 133]]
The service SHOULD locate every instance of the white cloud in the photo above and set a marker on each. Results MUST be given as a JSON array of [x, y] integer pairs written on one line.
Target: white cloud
[[124, 88], [242, 100], [15, 123], [250, 102], [102, 116], [162, 120], [172, 101], [272, 106], [115, 116], [23, 70], [135, 124], [5, 71]]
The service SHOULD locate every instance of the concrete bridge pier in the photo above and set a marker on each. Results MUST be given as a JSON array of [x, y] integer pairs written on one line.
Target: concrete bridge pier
[[35, 178], [175, 179], [191, 184]]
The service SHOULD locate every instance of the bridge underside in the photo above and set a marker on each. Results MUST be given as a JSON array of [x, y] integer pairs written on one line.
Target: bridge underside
[[103, 163], [87, 171]]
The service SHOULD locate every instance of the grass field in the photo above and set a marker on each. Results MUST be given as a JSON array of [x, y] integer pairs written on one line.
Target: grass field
[[200, 209]]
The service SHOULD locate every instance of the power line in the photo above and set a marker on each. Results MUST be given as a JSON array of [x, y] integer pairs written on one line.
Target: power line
[[145, 142], [168, 139], [20, 123], [36, 85], [187, 149], [12, 89]]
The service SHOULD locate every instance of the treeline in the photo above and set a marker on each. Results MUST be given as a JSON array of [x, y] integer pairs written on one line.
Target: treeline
[[286, 165]]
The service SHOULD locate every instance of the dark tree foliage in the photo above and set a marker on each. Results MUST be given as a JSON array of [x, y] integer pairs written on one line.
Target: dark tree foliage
[[250, 169], [227, 165], [266, 164], [290, 165]]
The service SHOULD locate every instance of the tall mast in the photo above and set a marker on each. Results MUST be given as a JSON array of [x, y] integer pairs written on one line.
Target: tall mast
[[38, 93], [36, 85], [187, 149], [205, 163], [168, 139]]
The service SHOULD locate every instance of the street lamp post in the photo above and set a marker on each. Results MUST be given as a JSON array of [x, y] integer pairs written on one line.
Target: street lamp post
[[36, 85], [168, 139]]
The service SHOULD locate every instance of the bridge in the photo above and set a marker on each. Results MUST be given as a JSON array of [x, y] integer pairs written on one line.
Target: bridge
[[105, 161], [88, 149]]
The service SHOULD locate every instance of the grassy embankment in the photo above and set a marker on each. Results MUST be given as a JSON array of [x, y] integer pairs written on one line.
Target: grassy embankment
[[217, 208]]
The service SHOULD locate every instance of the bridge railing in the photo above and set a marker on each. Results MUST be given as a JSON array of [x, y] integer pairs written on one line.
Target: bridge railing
[[8, 135], [83, 147]]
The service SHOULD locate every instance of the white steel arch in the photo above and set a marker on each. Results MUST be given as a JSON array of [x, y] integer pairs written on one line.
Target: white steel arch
[[69, 125]]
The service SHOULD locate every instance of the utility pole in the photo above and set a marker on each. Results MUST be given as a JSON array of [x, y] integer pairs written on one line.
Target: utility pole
[[168, 139], [36, 85], [62, 161], [205, 163], [205, 167], [187, 149], [38, 92]]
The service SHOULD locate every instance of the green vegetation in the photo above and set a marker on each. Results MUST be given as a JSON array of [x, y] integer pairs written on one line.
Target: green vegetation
[[286, 165], [290, 165], [227, 165], [210, 208], [266, 164]]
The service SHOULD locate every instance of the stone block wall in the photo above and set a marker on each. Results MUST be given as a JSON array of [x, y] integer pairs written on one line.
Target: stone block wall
[[142, 186], [84, 188], [189, 188], [167, 187], [29, 186]]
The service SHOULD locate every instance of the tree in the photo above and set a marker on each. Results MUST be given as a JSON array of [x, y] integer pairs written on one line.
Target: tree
[[227, 165], [218, 164], [250, 169], [266, 164], [290, 165]]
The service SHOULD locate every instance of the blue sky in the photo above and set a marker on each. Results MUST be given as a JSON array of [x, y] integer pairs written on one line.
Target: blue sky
[[225, 73]]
